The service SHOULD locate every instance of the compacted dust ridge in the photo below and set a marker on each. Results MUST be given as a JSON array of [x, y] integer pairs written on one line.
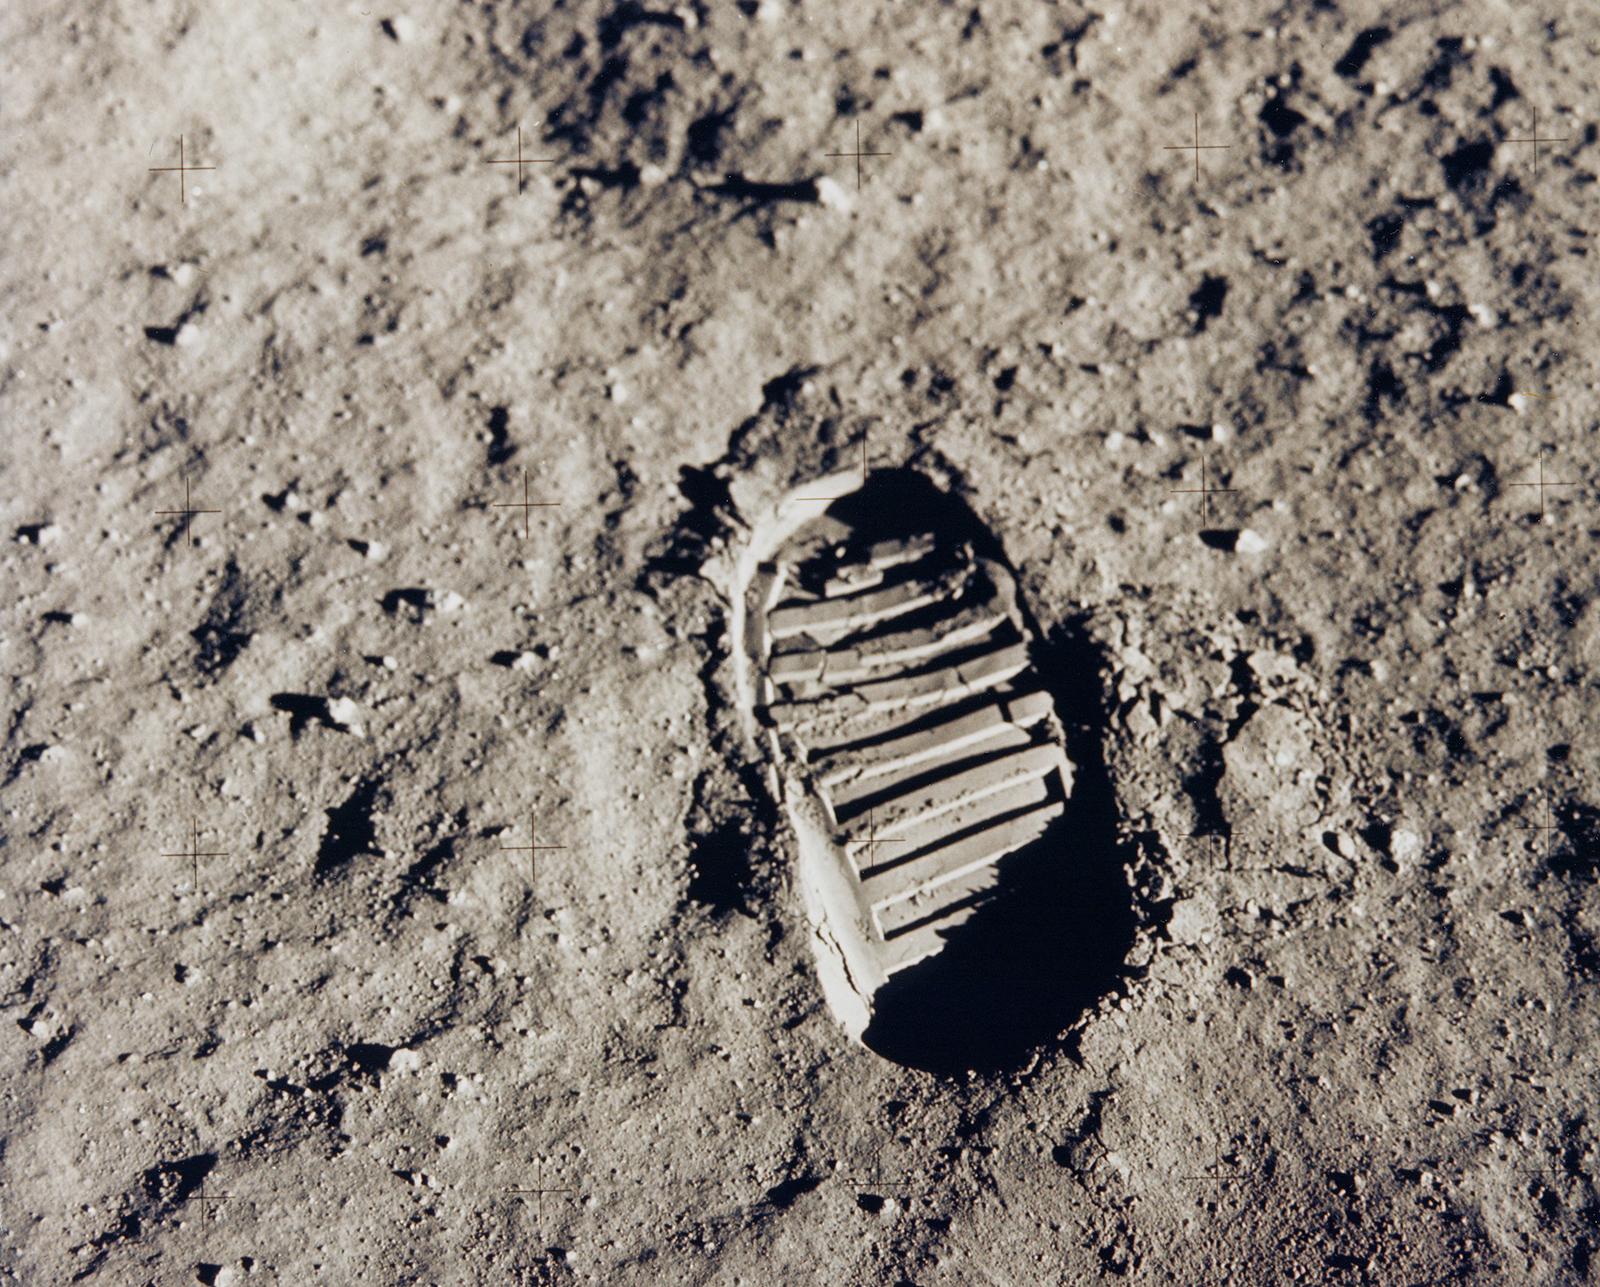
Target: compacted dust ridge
[[790, 641]]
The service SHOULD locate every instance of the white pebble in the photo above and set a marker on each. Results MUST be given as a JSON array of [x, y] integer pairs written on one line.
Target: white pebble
[[1405, 846], [833, 195]]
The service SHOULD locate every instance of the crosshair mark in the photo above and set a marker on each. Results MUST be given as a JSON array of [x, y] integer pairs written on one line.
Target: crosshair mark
[[533, 849], [1205, 492], [1196, 147], [858, 154], [194, 853], [183, 170], [1547, 828], [188, 511], [1536, 140], [537, 1192], [828, 500], [525, 505], [522, 163], [1542, 484]]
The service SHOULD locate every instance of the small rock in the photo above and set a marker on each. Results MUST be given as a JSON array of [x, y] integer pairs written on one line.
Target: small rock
[[1250, 542], [344, 713], [1405, 846], [38, 534], [832, 195], [400, 29], [1141, 720], [405, 1061], [1192, 920]]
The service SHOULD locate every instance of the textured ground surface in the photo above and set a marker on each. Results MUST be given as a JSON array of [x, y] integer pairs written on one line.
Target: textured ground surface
[[1353, 1038]]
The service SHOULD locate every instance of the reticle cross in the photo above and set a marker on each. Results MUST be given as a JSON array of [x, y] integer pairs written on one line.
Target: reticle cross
[[1217, 844], [874, 1184], [537, 1191], [1536, 140], [533, 848], [1542, 485], [182, 170], [1547, 828], [1221, 846], [1196, 147], [194, 853], [1205, 492], [871, 843], [858, 154], [524, 504], [188, 511], [522, 163], [211, 1200], [1214, 1174], [830, 499]]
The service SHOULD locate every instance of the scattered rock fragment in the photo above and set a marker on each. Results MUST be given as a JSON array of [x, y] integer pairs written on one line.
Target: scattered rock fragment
[[340, 713], [1192, 921], [1405, 847], [419, 603]]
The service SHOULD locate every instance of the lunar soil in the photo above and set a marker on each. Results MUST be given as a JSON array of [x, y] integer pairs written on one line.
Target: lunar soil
[[394, 889]]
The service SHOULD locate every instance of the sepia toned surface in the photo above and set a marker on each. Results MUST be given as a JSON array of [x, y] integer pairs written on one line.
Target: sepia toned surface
[[384, 836]]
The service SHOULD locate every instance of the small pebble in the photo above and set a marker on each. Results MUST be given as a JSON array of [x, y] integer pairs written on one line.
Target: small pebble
[[345, 714], [1192, 920], [1405, 846], [833, 196]]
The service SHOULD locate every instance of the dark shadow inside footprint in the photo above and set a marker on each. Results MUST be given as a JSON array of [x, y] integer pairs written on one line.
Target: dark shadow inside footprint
[[1021, 971], [1026, 967], [921, 707]]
